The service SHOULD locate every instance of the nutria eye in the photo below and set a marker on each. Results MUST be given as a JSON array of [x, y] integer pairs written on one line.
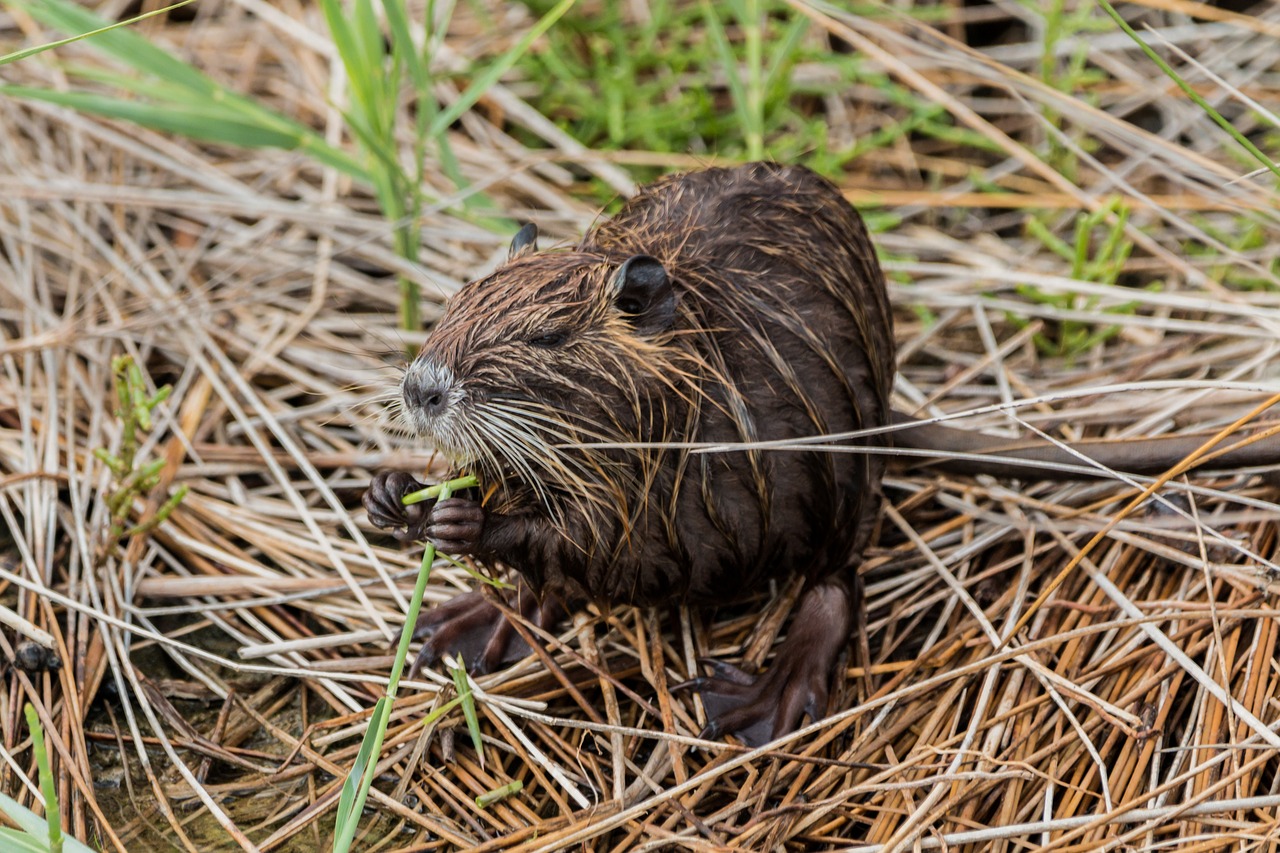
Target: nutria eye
[[554, 339]]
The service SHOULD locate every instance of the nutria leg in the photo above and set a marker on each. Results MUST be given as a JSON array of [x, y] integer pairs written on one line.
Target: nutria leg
[[760, 708], [473, 628]]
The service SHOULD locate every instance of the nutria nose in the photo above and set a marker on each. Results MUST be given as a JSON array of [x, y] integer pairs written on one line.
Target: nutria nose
[[432, 401]]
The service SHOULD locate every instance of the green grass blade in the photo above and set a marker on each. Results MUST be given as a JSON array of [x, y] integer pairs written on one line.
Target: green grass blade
[[753, 35], [403, 47], [361, 59], [193, 121], [737, 89], [432, 716], [496, 583], [20, 842], [344, 38], [48, 787], [32, 824], [32, 51], [368, 37], [1081, 255], [776, 82], [125, 45], [27, 820], [1189, 91], [491, 74], [355, 789], [1112, 242], [146, 87], [383, 165], [1051, 241], [198, 103], [463, 686]]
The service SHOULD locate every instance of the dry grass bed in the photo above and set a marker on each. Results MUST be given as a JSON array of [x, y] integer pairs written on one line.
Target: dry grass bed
[[1065, 667]]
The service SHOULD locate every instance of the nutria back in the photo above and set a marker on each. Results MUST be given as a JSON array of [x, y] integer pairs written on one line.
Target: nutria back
[[726, 305]]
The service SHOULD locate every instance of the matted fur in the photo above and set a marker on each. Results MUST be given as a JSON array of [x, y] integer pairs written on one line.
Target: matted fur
[[782, 330]]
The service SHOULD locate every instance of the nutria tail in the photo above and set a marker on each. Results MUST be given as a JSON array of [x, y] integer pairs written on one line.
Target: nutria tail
[[1078, 460]]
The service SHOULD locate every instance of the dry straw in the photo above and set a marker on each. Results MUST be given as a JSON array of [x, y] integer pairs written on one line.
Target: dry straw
[[219, 671]]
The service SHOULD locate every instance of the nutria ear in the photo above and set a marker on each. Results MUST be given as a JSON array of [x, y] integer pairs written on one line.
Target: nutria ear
[[642, 291], [525, 241]]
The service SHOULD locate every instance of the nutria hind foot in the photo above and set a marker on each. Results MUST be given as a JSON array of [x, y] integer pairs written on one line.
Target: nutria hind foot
[[471, 627], [764, 707]]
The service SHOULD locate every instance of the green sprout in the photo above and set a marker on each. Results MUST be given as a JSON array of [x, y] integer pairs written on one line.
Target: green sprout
[[134, 407], [37, 834], [1098, 253]]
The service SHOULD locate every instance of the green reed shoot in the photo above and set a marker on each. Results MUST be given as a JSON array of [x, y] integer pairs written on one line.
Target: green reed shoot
[[37, 834], [355, 790]]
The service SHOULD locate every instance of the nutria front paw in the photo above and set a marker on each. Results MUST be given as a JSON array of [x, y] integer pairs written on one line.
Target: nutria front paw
[[454, 525], [383, 501]]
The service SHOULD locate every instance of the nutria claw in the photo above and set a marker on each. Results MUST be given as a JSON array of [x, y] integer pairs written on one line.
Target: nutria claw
[[719, 671], [383, 502], [453, 525]]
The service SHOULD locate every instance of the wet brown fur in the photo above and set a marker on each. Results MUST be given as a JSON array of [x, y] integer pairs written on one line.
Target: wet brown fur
[[779, 332]]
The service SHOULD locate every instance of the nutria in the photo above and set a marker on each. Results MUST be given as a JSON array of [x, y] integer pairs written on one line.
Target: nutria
[[724, 305]]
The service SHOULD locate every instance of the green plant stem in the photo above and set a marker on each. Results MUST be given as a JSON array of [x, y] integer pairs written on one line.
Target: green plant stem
[[356, 790], [1188, 91], [490, 797], [440, 490], [48, 789]]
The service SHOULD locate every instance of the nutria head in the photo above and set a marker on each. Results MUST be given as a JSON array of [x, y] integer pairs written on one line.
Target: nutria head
[[552, 350]]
